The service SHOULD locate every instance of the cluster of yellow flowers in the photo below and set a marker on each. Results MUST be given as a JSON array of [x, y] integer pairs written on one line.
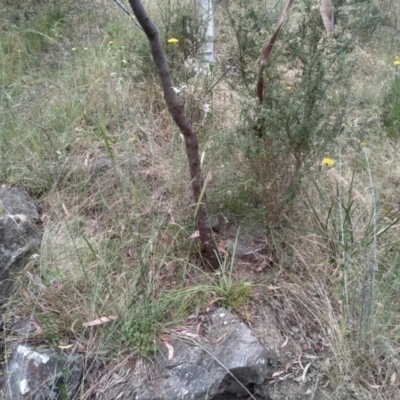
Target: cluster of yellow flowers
[[328, 162], [172, 40], [396, 61]]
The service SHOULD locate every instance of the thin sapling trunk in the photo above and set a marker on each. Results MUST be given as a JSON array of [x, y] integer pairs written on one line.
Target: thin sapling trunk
[[186, 128]]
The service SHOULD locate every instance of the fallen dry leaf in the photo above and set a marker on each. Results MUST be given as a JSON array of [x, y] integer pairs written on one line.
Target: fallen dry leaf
[[372, 386], [393, 379], [67, 346], [65, 210], [37, 326], [285, 342], [277, 373], [300, 363], [99, 321], [166, 338], [170, 351]]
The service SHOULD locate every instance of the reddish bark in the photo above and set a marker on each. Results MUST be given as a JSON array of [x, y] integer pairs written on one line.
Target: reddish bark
[[268, 48], [186, 128]]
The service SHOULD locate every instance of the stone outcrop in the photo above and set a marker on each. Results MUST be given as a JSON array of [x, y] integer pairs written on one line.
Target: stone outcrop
[[28, 373], [19, 234], [40, 374], [227, 361]]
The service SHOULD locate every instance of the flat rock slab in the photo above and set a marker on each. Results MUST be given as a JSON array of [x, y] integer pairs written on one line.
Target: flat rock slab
[[40, 374], [230, 361]]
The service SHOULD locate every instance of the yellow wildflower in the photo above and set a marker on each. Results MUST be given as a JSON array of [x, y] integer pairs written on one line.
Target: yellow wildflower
[[396, 62], [328, 162], [85, 49], [110, 42], [19, 51], [173, 40], [73, 49], [289, 88], [363, 143]]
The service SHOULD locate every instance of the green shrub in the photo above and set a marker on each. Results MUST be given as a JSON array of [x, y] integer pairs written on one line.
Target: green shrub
[[139, 328], [301, 114], [391, 106]]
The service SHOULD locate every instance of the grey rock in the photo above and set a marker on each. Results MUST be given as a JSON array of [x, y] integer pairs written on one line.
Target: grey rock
[[13, 201], [40, 374], [240, 250], [230, 361], [19, 234], [219, 223], [102, 164]]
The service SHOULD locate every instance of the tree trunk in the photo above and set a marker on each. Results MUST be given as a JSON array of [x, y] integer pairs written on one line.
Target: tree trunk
[[186, 128], [326, 10]]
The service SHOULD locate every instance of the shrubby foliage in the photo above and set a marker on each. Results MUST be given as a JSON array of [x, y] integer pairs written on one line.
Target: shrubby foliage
[[391, 104], [360, 18], [302, 113]]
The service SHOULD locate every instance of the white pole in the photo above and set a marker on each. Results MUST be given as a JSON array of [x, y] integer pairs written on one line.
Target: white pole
[[206, 19]]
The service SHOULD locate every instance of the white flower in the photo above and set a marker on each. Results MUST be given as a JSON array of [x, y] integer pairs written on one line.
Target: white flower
[[178, 90]]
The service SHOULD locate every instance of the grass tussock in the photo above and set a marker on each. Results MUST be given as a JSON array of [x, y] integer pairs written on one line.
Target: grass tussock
[[86, 131]]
